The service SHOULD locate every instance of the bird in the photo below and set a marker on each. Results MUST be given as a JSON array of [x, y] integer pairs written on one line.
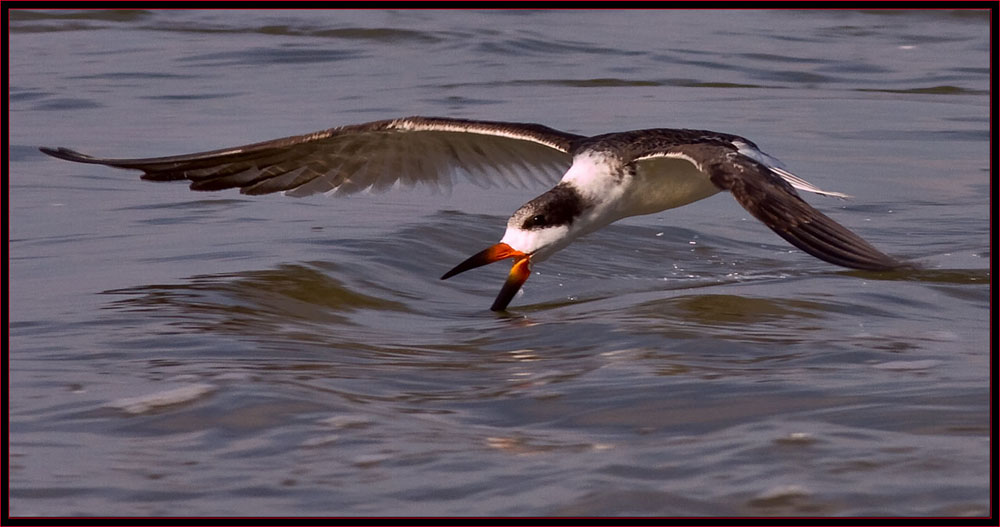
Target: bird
[[597, 180]]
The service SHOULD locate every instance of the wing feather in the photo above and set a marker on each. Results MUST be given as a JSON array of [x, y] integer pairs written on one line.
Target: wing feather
[[373, 156], [772, 200]]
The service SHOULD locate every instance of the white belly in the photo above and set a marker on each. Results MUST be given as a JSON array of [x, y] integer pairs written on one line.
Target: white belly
[[664, 183], [657, 184]]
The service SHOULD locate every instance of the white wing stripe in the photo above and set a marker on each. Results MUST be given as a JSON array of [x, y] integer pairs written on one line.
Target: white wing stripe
[[802, 184], [779, 168]]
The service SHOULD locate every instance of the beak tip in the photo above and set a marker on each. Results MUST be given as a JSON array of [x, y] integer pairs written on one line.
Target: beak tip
[[518, 273], [499, 307]]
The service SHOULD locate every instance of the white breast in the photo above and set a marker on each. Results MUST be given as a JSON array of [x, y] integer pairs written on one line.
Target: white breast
[[665, 182], [658, 183]]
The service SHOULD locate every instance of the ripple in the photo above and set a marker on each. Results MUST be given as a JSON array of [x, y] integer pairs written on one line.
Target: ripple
[[290, 298], [930, 90], [529, 46], [265, 56], [150, 402], [66, 104]]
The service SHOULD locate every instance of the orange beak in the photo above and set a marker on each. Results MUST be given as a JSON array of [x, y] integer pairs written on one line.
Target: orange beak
[[519, 273]]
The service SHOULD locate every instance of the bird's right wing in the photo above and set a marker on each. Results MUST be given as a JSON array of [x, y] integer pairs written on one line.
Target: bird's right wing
[[371, 156]]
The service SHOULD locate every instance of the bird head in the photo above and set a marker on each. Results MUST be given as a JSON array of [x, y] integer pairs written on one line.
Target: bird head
[[535, 231]]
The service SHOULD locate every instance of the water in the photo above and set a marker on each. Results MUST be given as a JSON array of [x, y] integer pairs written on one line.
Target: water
[[179, 353]]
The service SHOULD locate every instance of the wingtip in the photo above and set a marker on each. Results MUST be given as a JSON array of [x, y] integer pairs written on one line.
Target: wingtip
[[65, 153]]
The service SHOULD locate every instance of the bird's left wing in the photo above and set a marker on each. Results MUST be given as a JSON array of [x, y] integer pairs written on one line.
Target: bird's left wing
[[772, 200], [765, 190], [371, 156]]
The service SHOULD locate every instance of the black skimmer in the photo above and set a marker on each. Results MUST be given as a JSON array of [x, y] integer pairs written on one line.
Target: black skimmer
[[604, 178]]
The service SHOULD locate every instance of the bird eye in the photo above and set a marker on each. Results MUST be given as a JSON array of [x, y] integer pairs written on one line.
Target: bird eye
[[538, 220]]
